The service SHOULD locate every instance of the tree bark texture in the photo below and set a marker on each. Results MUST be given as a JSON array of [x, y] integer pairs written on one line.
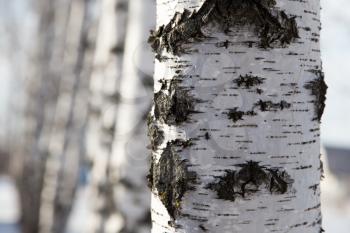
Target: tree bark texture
[[235, 127]]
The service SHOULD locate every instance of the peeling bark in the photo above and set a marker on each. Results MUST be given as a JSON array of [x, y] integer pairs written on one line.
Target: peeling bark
[[318, 89], [271, 26], [154, 133], [171, 177], [174, 104]]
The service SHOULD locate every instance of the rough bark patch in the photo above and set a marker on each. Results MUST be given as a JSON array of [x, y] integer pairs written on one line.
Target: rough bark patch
[[318, 88], [271, 25], [155, 134], [173, 104], [250, 179], [171, 177], [248, 81]]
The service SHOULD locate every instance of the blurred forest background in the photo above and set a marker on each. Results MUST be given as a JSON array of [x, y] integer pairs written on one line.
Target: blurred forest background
[[64, 98]]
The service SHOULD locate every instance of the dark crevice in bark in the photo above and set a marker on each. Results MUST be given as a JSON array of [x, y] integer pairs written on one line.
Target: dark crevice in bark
[[170, 176], [250, 179], [272, 26], [155, 134], [173, 104], [318, 88]]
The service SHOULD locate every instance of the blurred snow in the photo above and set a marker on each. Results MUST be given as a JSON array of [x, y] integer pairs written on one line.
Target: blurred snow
[[77, 222], [9, 209]]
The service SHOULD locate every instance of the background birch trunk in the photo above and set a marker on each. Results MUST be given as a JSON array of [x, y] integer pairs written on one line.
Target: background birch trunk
[[42, 95], [235, 126], [104, 88], [130, 158], [66, 145]]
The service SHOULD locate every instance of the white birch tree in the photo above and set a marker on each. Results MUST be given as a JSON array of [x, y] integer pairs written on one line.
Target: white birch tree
[[130, 158], [66, 144], [122, 88], [235, 127], [104, 88], [41, 96]]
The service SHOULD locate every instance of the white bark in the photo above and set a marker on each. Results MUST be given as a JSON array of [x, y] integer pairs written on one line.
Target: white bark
[[104, 88], [282, 137], [130, 157]]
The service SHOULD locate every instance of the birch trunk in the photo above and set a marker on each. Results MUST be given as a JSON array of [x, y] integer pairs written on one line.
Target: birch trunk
[[130, 157], [104, 88], [65, 146], [235, 126], [41, 95]]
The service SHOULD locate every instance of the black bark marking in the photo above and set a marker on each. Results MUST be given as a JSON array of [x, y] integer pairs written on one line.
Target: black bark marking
[[248, 81], [171, 177], [249, 179], [271, 25], [318, 88], [259, 91], [265, 106], [175, 106], [236, 115]]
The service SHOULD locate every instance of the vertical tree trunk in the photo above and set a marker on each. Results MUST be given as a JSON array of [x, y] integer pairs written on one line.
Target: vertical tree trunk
[[239, 93], [74, 157], [41, 95], [62, 165], [104, 87], [130, 157]]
